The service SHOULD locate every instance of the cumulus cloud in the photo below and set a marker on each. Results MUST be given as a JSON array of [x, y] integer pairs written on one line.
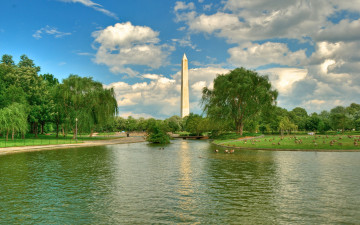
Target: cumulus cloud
[[216, 22], [254, 55], [183, 6], [124, 44], [159, 96], [135, 115], [283, 79], [184, 42], [47, 30], [322, 72], [345, 31], [95, 6]]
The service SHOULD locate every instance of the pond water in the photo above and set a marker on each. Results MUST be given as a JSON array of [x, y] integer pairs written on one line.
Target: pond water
[[185, 183]]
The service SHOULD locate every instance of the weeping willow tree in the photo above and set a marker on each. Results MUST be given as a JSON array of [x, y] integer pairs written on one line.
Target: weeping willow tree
[[13, 119], [86, 100], [238, 96]]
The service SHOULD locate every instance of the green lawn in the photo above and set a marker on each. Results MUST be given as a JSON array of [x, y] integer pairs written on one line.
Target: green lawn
[[30, 140], [308, 142]]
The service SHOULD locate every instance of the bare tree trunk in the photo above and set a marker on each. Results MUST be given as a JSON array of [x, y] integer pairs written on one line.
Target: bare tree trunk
[[91, 132], [13, 134], [7, 134], [57, 129], [42, 128], [239, 128], [36, 129]]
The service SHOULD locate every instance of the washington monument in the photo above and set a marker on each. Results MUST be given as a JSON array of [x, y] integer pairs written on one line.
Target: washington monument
[[185, 108]]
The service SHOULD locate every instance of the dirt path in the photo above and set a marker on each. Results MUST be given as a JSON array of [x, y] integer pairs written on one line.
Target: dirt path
[[123, 140]]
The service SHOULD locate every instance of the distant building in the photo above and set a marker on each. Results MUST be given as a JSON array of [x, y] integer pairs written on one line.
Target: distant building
[[185, 106]]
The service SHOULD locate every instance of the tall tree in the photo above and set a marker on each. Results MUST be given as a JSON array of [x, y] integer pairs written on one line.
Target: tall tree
[[239, 95], [340, 118], [26, 62], [86, 100], [13, 119], [299, 116], [8, 60]]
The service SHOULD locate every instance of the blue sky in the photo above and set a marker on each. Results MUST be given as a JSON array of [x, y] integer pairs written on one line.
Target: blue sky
[[309, 49]]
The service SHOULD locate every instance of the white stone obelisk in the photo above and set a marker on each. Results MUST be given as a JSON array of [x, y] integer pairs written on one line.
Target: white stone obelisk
[[185, 108]]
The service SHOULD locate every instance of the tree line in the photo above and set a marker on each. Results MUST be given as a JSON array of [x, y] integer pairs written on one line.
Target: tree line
[[275, 120], [240, 100], [39, 103], [243, 100]]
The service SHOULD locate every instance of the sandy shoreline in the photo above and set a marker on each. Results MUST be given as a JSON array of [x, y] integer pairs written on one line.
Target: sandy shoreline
[[122, 140]]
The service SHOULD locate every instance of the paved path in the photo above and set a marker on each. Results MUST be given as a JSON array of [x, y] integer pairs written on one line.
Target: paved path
[[124, 140]]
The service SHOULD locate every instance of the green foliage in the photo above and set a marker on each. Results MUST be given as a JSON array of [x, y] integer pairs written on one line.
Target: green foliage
[[47, 101], [13, 119], [7, 59], [26, 62], [174, 123], [157, 133], [340, 118], [239, 96], [87, 101], [286, 125], [299, 116]]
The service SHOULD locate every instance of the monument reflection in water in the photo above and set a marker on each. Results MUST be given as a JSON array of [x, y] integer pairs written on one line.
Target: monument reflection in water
[[187, 182]]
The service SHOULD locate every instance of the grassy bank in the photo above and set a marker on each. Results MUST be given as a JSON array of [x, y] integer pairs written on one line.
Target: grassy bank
[[300, 142], [30, 140]]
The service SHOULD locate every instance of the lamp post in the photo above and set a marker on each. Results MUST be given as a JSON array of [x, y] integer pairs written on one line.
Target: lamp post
[[76, 120]]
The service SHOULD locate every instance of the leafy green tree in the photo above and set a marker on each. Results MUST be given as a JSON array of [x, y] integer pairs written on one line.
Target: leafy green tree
[[29, 63], [325, 124], [120, 123], [286, 125], [157, 133], [312, 123], [192, 124], [299, 116], [174, 123], [270, 118], [340, 118], [353, 113], [131, 124], [13, 119], [141, 124], [8, 60], [87, 101], [239, 96]]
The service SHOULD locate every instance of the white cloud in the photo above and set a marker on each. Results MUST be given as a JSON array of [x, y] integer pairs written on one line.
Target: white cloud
[[283, 78], [344, 31], [95, 6], [85, 53], [185, 42], [216, 22], [208, 7], [327, 63], [124, 44], [183, 6], [47, 30], [160, 97], [254, 55], [135, 115]]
